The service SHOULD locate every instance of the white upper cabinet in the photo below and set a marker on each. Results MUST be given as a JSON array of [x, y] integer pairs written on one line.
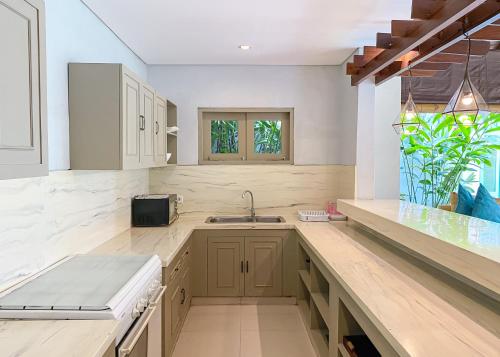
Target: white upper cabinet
[[160, 143], [23, 127], [131, 123], [147, 130], [116, 119]]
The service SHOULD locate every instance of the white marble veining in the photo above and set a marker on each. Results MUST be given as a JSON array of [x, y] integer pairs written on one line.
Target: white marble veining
[[468, 247], [46, 218], [280, 188]]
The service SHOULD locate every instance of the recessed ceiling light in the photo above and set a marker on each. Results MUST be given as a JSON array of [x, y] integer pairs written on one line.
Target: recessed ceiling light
[[245, 47]]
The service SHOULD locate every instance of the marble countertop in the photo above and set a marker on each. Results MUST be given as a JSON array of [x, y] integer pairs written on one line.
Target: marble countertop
[[466, 247], [415, 320], [56, 338]]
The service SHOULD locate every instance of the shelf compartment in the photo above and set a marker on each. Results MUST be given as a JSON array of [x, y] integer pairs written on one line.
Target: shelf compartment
[[342, 350], [320, 292], [304, 260], [320, 334], [306, 278], [321, 302], [303, 301], [172, 136], [348, 326]]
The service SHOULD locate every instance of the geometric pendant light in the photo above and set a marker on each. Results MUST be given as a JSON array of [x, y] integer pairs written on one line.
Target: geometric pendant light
[[467, 103], [408, 120]]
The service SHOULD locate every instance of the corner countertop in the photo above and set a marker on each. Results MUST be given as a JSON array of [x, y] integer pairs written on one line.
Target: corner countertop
[[56, 338], [466, 247], [415, 320]]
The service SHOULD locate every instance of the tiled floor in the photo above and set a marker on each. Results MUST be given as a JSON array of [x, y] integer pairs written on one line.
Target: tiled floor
[[244, 331]]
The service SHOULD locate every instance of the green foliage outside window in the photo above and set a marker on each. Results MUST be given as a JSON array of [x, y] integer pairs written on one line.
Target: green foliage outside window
[[441, 153], [267, 136], [224, 135]]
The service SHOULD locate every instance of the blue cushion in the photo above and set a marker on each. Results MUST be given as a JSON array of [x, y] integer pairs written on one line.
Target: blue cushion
[[485, 206], [465, 201]]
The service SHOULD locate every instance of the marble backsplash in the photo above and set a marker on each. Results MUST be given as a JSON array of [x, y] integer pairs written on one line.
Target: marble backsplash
[[277, 188], [44, 219]]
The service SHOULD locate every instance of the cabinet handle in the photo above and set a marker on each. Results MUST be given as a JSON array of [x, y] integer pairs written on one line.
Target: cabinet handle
[[142, 122], [241, 265], [183, 292], [247, 266], [157, 128]]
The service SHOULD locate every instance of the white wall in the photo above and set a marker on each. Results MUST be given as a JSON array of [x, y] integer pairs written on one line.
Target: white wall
[[323, 133], [75, 34], [365, 141], [387, 143], [377, 146]]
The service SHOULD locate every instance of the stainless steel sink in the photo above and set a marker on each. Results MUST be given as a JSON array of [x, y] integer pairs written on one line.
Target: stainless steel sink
[[245, 219]]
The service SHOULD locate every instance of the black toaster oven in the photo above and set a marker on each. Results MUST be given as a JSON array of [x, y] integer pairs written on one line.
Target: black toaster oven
[[154, 210]]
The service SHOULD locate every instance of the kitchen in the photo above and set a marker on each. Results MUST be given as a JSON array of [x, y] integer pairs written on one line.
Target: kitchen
[[396, 276]]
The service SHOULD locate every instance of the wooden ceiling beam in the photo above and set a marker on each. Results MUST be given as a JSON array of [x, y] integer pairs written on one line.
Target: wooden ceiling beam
[[446, 15], [484, 14], [489, 33], [384, 40], [431, 66], [419, 73], [402, 28], [425, 9], [447, 58], [477, 48]]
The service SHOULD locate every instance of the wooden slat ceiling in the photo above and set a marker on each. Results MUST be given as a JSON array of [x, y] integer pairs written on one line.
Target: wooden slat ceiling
[[431, 41]]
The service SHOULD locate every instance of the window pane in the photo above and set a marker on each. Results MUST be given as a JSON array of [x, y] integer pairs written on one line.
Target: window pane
[[267, 136], [224, 135], [489, 173]]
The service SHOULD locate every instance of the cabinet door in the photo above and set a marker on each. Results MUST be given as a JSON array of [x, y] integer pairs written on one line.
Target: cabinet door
[[176, 305], [131, 122], [22, 89], [147, 131], [185, 292], [225, 266], [263, 266], [160, 138]]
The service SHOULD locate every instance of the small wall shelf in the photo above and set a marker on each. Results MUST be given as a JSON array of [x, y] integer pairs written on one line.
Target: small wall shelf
[[172, 134]]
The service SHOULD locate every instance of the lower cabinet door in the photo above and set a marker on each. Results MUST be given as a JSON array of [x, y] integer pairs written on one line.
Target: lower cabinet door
[[225, 276], [263, 266], [175, 310], [185, 292]]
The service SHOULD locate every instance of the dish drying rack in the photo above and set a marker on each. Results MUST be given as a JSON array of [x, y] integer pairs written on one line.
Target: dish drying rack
[[319, 216], [313, 216]]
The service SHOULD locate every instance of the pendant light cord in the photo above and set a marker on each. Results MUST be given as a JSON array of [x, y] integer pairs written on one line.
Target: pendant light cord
[[411, 76], [468, 54]]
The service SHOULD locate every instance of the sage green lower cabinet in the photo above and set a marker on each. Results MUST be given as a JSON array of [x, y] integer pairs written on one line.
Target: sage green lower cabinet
[[225, 266], [177, 298], [235, 263], [263, 266]]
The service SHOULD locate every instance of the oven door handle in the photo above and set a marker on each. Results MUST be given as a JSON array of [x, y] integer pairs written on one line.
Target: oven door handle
[[156, 299], [135, 334]]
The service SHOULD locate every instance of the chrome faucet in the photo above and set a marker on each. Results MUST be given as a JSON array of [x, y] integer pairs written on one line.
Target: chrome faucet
[[252, 210]]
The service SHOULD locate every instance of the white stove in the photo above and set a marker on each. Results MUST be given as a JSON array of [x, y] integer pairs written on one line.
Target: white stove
[[87, 287]]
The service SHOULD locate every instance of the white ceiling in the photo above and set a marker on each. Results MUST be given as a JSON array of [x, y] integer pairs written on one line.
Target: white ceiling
[[281, 32]]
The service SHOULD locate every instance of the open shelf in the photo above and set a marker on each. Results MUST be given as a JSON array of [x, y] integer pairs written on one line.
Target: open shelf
[[321, 302], [303, 301], [320, 334], [343, 352], [172, 136], [306, 278], [348, 326], [320, 292]]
